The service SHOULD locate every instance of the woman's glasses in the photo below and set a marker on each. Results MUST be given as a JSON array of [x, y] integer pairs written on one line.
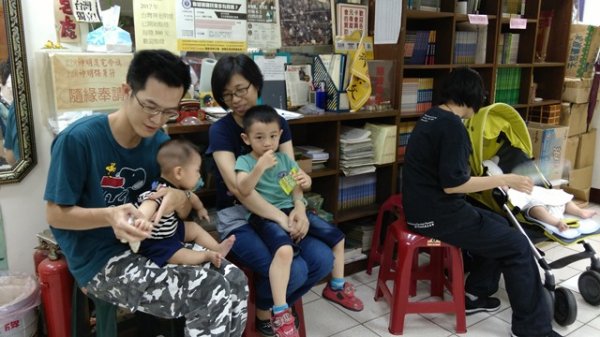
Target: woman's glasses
[[241, 92]]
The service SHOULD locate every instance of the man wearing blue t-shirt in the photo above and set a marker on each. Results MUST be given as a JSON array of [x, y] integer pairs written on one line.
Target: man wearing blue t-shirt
[[100, 164]]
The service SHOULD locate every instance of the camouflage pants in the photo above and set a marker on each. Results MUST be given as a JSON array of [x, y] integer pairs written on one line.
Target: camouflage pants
[[213, 300]]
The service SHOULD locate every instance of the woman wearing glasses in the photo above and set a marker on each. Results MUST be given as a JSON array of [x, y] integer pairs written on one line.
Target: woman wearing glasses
[[99, 166], [236, 86]]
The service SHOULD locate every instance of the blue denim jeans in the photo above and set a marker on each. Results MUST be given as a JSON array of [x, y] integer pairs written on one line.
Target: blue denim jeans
[[314, 262], [275, 236]]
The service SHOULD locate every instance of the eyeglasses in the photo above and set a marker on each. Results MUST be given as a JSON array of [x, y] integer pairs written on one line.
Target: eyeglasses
[[241, 92], [153, 111]]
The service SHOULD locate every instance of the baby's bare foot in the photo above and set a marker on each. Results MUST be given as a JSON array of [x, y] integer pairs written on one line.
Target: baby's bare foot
[[215, 259], [225, 245], [587, 213]]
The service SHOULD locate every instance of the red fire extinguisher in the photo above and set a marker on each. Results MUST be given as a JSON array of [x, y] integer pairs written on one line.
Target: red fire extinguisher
[[56, 285], [41, 252]]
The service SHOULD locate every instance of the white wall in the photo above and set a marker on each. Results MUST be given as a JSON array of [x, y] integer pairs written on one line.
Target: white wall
[[22, 203]]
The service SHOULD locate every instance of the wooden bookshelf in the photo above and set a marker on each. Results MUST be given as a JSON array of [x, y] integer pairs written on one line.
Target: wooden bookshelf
[[323, 130]]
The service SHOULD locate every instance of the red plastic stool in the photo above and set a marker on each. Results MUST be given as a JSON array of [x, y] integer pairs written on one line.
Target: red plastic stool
[[250, 330], [393, 203], [404, 270]]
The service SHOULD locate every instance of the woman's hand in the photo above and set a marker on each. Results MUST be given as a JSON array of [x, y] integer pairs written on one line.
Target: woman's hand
[[520, 183], [298, 223]]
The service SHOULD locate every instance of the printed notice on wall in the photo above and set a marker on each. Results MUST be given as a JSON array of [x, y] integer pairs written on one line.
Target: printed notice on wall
[[88, 81], [154, 22], [211, 26], [263, 25]]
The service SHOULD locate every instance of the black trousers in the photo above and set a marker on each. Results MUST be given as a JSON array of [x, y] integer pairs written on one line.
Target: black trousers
[[497, 248]]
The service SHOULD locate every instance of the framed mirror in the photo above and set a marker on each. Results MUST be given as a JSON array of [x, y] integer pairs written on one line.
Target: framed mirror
[[17, 133]]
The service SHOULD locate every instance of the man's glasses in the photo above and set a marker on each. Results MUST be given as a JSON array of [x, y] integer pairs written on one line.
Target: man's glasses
[[153, 111], [241, 92]]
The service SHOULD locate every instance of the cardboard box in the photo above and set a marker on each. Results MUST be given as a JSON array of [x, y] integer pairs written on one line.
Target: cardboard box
[[586, 149], [581, 196], [549, 143], [581, 178], [576, 90], [584, 41], [575, 117], [305, 164], [571, 153]]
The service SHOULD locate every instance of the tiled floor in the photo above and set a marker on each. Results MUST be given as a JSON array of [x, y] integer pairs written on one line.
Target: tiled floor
[[324, 319]]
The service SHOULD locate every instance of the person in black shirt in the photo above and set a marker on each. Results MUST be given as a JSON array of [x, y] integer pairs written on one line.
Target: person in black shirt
[[436, 177]]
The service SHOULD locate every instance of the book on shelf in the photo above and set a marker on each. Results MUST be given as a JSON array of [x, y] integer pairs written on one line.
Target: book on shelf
[[508, 83], [383, 137], [513, 7], [381, 73], [417, 95], [471, 41], [298, 84], [308, 149], [419, 44], [508, 48], [543, 35], [357, 190], [424, 5]]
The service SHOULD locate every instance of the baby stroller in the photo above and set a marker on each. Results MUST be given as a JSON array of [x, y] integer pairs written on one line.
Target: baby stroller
[[498, 130]]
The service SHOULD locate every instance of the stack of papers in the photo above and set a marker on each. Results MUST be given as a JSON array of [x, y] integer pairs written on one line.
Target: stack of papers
[[356, 151]]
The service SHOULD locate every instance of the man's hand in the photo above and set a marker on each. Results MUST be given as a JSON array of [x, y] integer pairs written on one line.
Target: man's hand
[[123, 224], [172, 199]]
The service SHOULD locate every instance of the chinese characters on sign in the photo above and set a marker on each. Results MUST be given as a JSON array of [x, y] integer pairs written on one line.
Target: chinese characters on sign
[[88, 81], [211, 26], [67, 27], [154, 22], [85, 10]]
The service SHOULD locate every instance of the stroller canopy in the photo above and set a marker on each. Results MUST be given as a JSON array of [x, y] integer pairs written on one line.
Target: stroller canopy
[[485, 129]]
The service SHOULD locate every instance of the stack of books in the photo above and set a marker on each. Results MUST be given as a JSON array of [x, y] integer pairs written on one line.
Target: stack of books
[[357, 191], [404, 131], [417, 94], [419, 47], [318, 155], [508, 84], [508, 48], [470, 44], [356, 151]]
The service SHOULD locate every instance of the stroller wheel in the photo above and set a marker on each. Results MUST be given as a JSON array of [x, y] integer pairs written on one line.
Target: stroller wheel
[[589, 286], [565, 306], [549, 299]]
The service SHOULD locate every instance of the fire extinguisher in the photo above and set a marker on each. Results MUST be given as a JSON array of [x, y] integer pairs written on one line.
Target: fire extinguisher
[[56, 285], [41, 252]]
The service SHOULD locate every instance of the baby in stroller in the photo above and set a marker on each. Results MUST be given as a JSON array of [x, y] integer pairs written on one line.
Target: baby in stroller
[[499, 130], [553, 209]]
